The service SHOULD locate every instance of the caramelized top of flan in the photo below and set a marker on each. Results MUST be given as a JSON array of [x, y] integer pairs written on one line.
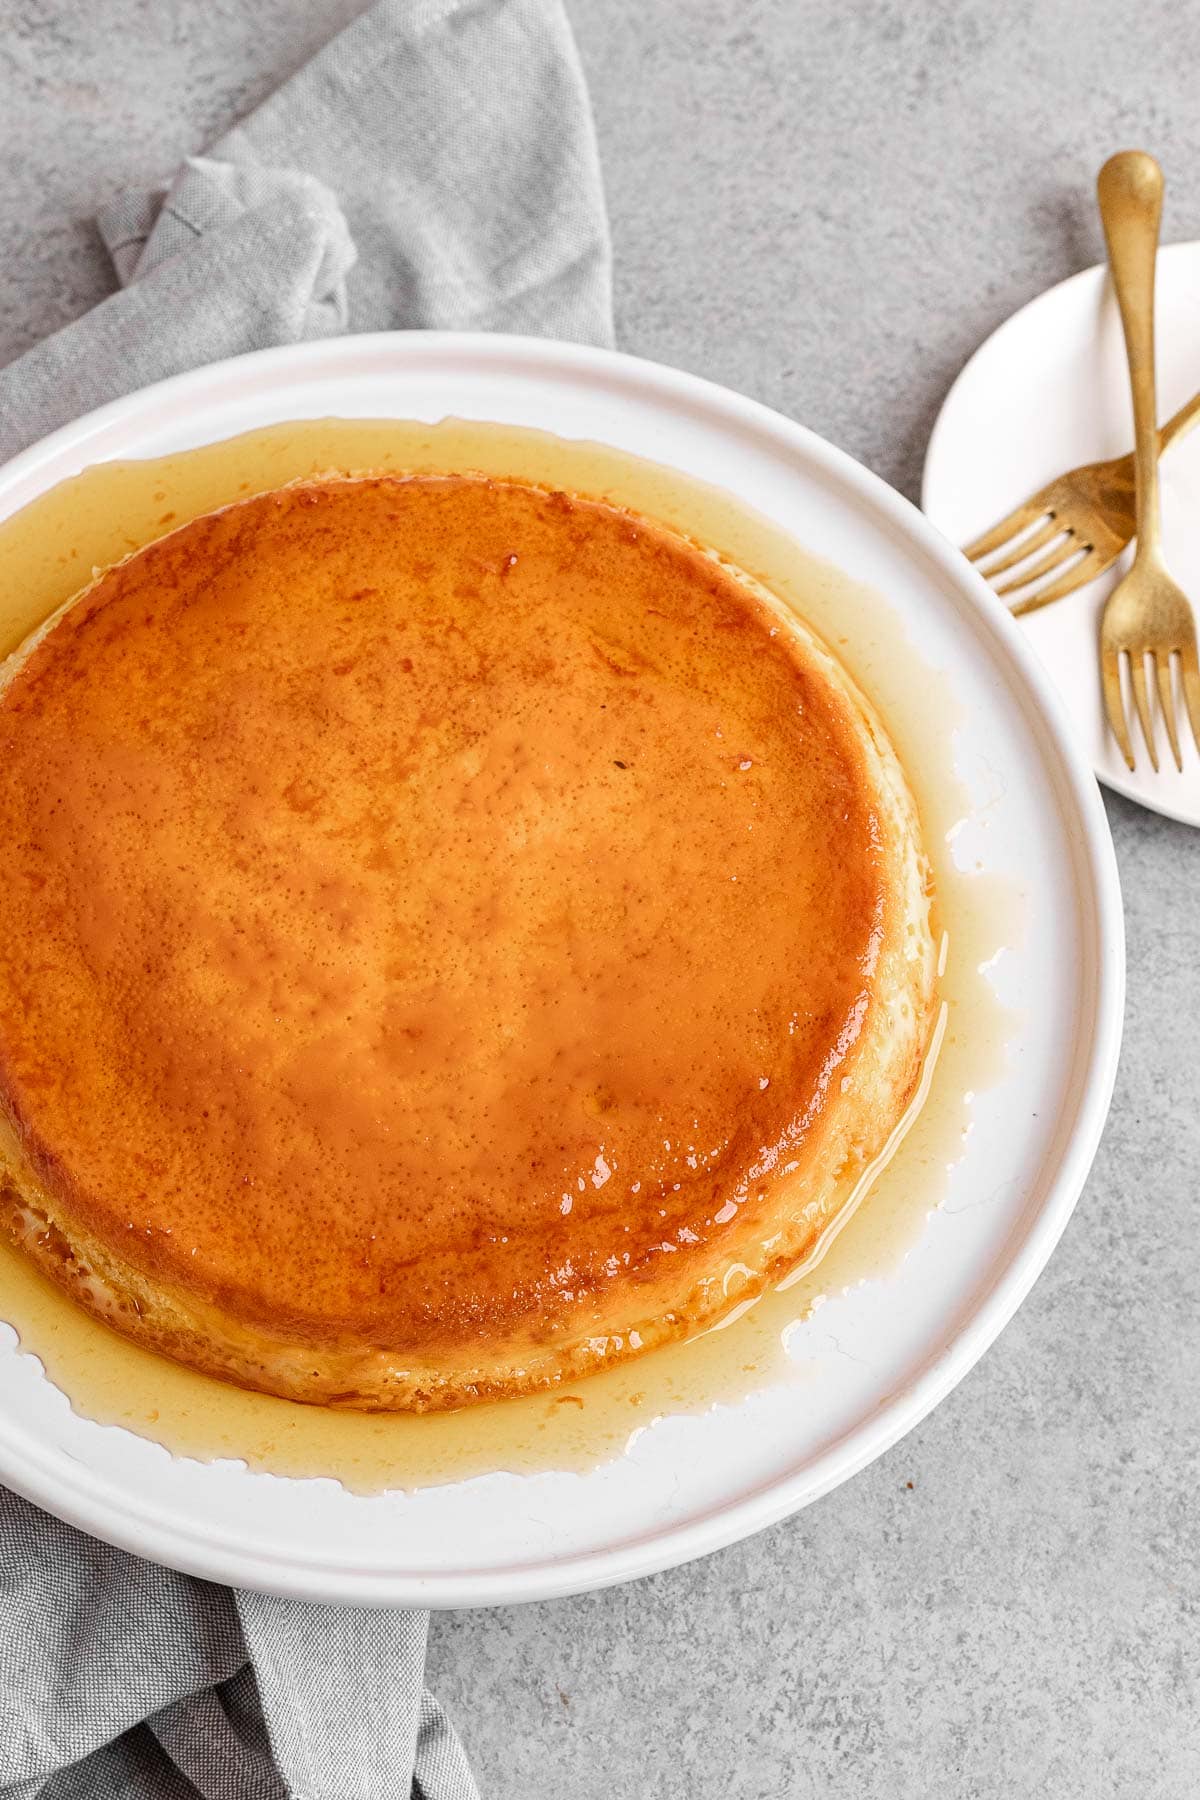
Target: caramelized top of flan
[[436, 914]]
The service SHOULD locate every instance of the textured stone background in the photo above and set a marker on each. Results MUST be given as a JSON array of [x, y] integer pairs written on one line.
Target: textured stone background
[[827, 205]]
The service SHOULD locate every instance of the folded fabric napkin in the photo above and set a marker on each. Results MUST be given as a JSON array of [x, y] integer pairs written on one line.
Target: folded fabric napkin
[[434, 166]]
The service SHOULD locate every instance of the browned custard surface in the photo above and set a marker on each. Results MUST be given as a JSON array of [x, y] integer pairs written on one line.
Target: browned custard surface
[[448, 929]]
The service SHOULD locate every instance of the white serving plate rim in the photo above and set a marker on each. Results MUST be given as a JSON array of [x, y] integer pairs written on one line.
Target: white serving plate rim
[[100, 1508]]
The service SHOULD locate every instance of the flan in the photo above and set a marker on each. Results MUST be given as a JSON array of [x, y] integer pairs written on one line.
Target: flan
[[453, 936]]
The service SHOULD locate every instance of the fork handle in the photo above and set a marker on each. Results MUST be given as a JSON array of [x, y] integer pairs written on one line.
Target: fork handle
[[1130, 190], [1179, 422]]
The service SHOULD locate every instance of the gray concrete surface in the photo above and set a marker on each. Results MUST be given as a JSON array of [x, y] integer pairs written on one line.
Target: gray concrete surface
[[827, 205]]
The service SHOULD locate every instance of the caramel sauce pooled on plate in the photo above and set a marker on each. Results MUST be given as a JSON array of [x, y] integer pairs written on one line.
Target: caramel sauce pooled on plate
[[49, 551]]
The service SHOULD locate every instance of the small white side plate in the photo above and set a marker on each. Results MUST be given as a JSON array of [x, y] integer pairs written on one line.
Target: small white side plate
[[1046, 392]]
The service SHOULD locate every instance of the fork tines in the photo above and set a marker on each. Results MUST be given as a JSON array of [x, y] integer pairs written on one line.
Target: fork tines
[[1112, 661], [1029, 528]]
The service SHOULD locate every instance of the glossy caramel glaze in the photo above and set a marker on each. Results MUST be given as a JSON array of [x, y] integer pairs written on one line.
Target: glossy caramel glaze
[[445, 927]]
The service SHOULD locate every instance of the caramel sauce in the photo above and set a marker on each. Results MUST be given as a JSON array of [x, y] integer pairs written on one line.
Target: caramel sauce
[[50, 549]]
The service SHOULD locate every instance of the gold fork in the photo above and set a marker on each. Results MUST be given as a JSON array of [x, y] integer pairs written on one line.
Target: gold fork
[[1089, 510], [1146, 616]]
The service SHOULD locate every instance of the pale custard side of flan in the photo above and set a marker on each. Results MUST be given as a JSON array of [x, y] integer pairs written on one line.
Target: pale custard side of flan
[[453, 935]]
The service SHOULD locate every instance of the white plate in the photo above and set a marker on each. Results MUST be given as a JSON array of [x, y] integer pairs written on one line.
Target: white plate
[[1046, 392], [689, 1484]]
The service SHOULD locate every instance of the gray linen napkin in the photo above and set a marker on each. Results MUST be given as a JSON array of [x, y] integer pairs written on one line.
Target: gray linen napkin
[[434, 166]]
